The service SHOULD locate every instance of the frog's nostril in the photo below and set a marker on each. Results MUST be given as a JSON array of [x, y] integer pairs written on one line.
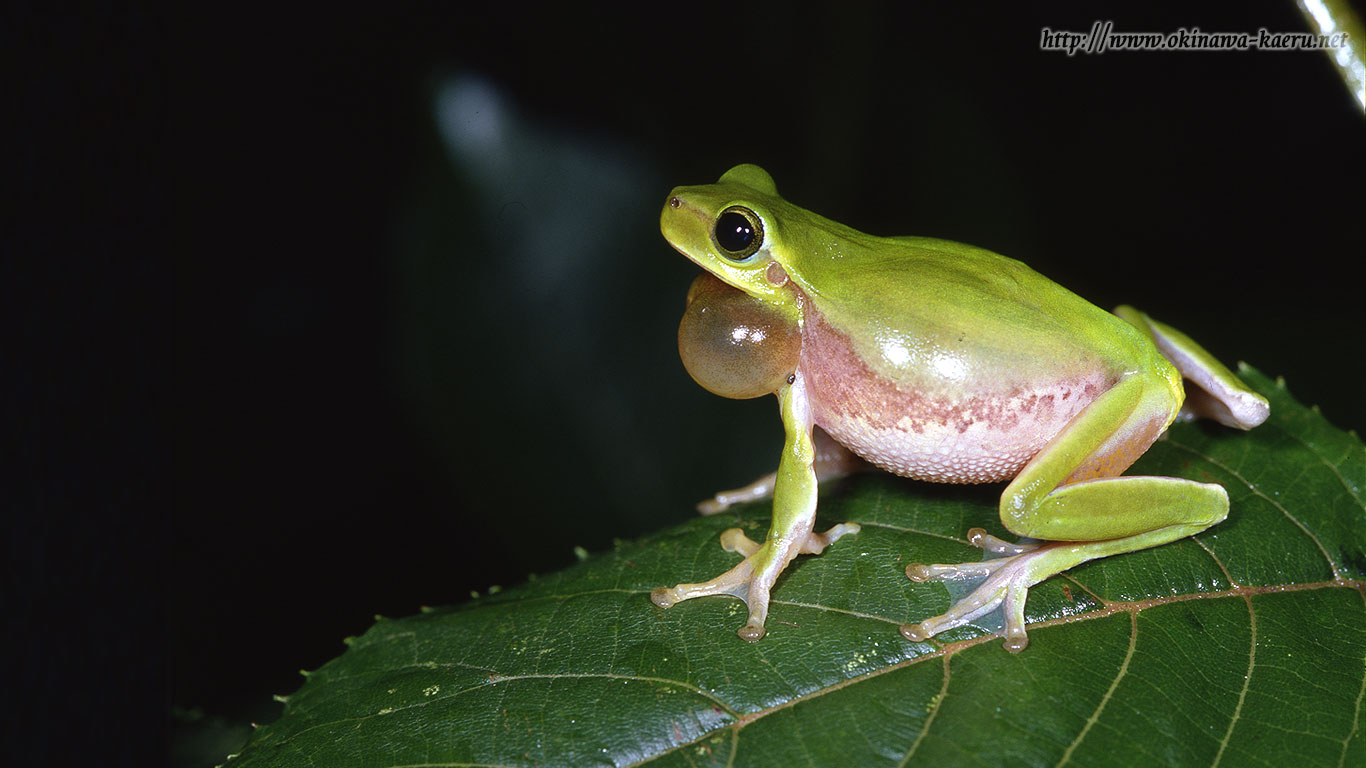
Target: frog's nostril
[[674, 202]]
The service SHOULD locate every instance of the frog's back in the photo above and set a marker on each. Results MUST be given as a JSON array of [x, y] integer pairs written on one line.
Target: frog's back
[[946, 362], [927, 294]]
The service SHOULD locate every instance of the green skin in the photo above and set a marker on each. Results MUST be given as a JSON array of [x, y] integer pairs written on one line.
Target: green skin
[[949, 363]]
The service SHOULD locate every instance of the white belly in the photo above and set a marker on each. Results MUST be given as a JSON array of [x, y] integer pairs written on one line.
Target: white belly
[[959, 446], [982, 437]]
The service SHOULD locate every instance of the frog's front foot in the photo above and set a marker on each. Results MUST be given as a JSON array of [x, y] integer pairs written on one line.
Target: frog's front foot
[[1008, 580], [753, 578]]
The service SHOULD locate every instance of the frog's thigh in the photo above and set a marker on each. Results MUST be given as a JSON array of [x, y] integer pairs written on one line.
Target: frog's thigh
[[1219, 394], [1069, 492]]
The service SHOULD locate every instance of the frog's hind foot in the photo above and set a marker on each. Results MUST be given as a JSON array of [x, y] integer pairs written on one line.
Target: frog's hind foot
[[753, 578], [1007, 583]]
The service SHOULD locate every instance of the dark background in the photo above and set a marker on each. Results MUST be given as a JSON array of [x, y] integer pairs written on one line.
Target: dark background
[[370, 310]]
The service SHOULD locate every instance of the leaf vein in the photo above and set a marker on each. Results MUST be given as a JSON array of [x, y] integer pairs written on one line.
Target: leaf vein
[[1104, 700], [916, 531], [1247, 681], [1257, 492], [934, 712], [517, 678], [1351, 492], [1356, 710]]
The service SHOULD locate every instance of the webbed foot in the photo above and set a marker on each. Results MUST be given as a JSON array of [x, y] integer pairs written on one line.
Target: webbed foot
[[1007, 582]]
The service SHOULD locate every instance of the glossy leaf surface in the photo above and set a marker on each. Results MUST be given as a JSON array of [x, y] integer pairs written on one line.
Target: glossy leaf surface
[[1245, 645]]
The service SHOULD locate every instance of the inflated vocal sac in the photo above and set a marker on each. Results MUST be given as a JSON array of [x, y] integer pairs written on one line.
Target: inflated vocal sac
[[735, 345]]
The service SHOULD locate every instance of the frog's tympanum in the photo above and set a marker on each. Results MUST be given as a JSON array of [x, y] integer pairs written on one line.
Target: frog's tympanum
[[942, 362]]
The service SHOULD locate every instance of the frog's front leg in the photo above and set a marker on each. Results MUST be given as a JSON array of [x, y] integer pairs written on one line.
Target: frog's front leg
[[791, 534], [1069, 496], [832, 461]]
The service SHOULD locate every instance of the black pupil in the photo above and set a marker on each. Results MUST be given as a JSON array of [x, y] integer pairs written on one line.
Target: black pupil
[[734, 232]]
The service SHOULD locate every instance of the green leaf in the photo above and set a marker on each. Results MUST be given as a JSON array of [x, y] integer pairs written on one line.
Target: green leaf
[[1245, 645]]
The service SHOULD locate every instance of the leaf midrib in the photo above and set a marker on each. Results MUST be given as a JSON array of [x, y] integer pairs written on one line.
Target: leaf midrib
[[941, 652], [947, 650]]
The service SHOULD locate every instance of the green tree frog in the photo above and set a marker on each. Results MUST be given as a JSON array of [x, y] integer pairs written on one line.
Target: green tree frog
[[942, 362]]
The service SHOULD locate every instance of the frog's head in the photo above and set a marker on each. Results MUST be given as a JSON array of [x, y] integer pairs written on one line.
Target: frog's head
[[730, 229], [740, 335]]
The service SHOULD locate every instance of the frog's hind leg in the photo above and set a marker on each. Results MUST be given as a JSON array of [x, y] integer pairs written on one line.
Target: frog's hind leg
[[1069, 495], [1218, 394]]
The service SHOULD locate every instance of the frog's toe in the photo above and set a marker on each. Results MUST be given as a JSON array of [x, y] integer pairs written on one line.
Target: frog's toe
[[978, 537], [761, 488], [741, 585], [752, 632], [920, 572], [735, 540], [664, 596], [733, 582], [817, 542], [744, 581]]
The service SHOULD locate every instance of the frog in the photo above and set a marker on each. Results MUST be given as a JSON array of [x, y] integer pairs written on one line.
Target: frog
[[941, 362]]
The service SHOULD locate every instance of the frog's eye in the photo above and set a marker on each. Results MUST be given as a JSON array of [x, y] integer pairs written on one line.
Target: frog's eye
[[738, 233]]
